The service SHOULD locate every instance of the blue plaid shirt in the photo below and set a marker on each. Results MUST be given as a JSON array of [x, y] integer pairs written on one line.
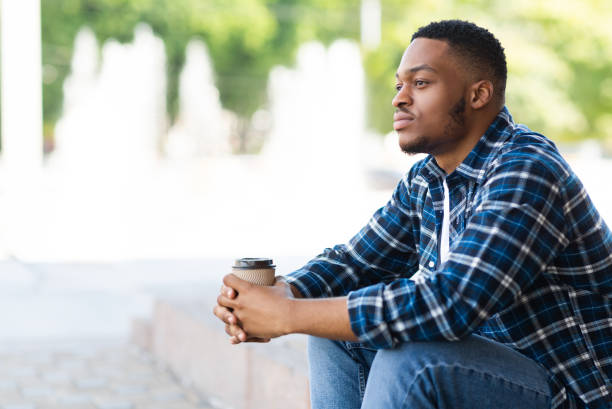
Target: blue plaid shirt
[[530, 263]]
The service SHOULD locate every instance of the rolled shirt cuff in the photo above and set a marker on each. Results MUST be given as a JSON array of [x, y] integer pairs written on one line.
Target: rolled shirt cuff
[[297, 279], [366, 313]]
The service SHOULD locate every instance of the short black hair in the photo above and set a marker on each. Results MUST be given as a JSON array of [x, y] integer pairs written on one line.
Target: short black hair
[[480, 48]]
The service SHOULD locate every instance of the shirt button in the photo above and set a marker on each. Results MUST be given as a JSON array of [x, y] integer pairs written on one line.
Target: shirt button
[[431, 264]]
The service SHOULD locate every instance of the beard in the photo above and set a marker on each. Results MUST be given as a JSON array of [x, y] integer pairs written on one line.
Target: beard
[[453, 130]]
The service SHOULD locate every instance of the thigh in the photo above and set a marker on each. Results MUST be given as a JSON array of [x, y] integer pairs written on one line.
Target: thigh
[[338, 373], [472, 373]]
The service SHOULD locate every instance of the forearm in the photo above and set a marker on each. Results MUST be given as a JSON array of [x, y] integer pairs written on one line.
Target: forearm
[[382, 251], [321, 317]]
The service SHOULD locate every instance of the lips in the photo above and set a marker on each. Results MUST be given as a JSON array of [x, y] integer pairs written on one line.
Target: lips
[[401, 120]]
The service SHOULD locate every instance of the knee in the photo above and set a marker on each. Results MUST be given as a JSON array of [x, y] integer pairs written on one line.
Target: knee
[[414, 357], [394, 371]]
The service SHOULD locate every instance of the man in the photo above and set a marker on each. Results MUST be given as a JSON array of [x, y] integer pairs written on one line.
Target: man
[[486, 280]]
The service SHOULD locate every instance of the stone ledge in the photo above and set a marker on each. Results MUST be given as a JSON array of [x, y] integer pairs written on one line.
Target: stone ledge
[[185, 336]]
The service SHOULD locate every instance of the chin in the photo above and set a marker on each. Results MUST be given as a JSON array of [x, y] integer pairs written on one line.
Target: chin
[[412, 144], [407, 138]]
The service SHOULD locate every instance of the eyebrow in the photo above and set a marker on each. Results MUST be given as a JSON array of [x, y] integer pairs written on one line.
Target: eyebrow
[[422, 67]]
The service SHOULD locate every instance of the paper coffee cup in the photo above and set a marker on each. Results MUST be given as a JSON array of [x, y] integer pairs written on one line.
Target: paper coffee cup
[[258, 271]]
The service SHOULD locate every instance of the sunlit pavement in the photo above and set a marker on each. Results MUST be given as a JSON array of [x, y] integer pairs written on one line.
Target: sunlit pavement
[[88, 374]]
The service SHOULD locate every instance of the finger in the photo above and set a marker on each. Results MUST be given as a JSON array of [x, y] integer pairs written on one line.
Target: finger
[[225, 315], [236, 331], [220, 312], [242, 336], [237, 284], [232, 330], [228, 292], [259, 340], [235, 340], [231, 319], [223, 301]]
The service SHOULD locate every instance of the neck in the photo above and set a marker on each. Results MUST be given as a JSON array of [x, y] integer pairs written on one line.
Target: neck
[[451, 158]]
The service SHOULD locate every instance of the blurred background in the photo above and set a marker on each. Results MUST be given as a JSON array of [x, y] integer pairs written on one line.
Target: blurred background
[[192, 128], [147, 143]]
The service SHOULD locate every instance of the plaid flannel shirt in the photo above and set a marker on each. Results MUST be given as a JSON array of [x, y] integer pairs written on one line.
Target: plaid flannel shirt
[[530, 263]]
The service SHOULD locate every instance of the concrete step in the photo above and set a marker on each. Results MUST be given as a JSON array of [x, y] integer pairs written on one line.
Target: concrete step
[[184, 335]]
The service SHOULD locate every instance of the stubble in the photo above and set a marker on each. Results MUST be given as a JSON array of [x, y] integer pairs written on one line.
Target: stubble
[[453, 130]]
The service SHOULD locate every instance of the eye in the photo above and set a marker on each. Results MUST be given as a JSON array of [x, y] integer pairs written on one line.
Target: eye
[[420, 83], [398, 87]]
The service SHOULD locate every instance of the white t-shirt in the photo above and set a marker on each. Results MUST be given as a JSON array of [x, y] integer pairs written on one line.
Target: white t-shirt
[[444, 237]]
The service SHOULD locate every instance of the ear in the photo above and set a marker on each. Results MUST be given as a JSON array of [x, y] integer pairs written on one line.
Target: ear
[[481, 93]]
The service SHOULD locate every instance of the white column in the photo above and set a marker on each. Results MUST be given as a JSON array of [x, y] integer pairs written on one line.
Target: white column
[[370, 23], [22, 141]]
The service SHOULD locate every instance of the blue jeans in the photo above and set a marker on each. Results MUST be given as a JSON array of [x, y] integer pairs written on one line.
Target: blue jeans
[[473, 373]]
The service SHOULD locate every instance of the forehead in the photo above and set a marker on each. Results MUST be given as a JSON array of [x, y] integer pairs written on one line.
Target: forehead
[[428, 52]]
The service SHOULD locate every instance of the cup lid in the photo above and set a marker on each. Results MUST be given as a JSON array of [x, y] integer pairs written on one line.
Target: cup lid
[[250, 262]]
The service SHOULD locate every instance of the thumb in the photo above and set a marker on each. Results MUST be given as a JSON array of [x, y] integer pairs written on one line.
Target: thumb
[[236, 283]]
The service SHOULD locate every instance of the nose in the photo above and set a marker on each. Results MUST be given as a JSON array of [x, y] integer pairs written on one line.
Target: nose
[[402, 98]]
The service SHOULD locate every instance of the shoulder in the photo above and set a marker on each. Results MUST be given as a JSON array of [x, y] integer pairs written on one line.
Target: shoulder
[[528, 154]]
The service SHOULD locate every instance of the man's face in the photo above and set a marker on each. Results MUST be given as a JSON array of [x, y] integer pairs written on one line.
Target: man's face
[[430, 101]]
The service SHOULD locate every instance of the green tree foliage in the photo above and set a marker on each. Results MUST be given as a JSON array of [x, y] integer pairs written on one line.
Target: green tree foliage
[[559, 52], [559, 57], [234, 32], [245, 39]]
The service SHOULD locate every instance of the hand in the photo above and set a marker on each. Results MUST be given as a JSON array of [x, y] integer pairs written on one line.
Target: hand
[[232, 326], [260, 311]]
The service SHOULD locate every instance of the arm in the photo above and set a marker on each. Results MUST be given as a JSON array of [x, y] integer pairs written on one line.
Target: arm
[[325, 318], [514, 233], [516, 230], [269, 312], [382, 251]]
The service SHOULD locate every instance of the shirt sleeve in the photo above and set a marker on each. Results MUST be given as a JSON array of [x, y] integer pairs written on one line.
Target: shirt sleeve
[[382, 251], [513, 234]]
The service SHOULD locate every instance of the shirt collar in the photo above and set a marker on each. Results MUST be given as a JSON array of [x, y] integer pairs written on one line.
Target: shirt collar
[[474, 165]]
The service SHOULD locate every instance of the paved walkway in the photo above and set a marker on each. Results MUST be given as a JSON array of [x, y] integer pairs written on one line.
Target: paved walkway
[[48, 309], [88, 375]]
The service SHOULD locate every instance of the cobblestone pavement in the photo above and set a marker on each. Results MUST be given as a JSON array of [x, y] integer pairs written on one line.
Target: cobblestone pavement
[[88, 375]]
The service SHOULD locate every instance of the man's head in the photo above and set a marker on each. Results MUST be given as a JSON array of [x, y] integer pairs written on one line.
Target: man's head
[[451, 78]]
